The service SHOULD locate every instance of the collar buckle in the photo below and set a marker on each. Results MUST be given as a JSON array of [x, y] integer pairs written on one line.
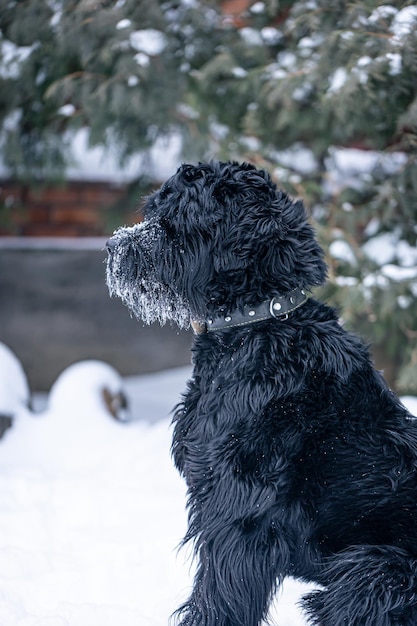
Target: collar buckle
[[199, 328]]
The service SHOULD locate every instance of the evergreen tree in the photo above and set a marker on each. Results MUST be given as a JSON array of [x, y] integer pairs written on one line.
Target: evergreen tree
[[117, 68], [324, 94]]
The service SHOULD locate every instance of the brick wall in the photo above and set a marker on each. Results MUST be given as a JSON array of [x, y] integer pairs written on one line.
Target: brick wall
[[73, 209], [235, 10]]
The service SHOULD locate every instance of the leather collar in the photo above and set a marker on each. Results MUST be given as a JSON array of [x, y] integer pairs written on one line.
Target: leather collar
[[278, 307]]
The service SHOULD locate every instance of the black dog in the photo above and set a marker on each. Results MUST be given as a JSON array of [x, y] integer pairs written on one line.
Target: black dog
[[299, 460]]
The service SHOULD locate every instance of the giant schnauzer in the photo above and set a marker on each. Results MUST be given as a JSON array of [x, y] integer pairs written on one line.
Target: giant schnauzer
[[299, 460]]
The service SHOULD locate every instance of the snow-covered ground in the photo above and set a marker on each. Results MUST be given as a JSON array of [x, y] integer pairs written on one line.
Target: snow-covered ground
[[92, 509]]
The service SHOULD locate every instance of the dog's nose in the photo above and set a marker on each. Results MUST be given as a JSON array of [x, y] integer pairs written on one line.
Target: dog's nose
[[110, 244]]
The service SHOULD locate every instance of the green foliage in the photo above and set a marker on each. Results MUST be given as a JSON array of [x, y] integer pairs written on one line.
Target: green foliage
[[119, 68], [329, 102], [322, 94]]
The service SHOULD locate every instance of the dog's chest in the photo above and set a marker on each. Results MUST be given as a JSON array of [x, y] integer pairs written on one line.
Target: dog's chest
[[226, 442], [236, 439]]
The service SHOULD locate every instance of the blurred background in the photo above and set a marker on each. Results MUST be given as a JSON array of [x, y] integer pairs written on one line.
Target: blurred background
[[100, 102]]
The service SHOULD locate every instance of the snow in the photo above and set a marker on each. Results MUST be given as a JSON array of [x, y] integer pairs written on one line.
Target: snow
[[383, 12], [346, 281], [403, 23], [287, 60], [395, 63], [385, 247], [338, 79], [340, 249], [382, 248], [155, 301], [270, 35], [239, 72], [298, 157], [411, 403], [125, 23], [95, 163], [92, 510], [14, 388], [406, 254], [302, 92], [142, 59], [67, 110], [132, 81], [310, 42], [12, 119], [11, 58], [99, 164], [398, 274], [258, 7], [360, 70], [150, 41], [347, 167], [372, 280], [250, 36]]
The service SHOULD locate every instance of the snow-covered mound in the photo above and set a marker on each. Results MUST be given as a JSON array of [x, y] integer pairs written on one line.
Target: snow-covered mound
[[89, 388], [77, 425], [92, 510], [14, 388]]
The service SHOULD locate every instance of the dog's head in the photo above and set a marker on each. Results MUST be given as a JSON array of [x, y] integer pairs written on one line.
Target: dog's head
[[216, 236]]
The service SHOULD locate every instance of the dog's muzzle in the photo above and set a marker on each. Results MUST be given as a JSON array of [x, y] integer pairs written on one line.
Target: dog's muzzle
[[135, 274]]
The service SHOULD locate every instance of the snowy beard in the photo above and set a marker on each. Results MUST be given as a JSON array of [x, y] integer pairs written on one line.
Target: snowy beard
[[131, 275]]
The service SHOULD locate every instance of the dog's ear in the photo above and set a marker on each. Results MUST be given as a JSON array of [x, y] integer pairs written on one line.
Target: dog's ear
[[288, 245], [274, 242], [293, 248], [244, 196]]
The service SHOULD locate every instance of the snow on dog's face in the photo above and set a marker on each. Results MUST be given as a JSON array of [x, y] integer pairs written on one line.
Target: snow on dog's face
[[215, 236], [133, 274]]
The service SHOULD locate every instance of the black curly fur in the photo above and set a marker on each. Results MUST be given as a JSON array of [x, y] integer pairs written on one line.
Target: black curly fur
[[299, 459]]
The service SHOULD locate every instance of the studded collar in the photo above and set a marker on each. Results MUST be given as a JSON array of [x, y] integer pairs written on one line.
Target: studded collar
[[278, 307]]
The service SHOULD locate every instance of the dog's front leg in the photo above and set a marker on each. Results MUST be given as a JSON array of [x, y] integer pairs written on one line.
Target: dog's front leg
[[241, 563], [366, 585]]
